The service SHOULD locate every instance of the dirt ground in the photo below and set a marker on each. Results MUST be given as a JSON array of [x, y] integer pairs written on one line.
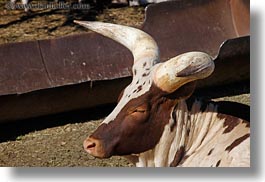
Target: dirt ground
[[56, 146], [17, 26], [60, 143]]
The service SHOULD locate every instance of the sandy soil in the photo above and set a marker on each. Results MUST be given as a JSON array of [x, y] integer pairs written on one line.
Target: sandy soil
[[17, 26], [56, 146]]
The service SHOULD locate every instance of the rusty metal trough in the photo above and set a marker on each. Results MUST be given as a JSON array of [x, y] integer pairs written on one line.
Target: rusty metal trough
[[81, 71]]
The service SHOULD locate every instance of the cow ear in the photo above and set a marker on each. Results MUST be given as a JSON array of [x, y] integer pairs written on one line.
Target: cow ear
[[178, 71], [184, 92]]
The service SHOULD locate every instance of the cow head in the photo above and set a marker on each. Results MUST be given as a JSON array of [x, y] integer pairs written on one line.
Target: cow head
[[145, 106]]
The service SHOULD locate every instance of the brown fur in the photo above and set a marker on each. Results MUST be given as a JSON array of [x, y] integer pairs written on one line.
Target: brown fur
[[178, 157], [140, 124], [237, 142]]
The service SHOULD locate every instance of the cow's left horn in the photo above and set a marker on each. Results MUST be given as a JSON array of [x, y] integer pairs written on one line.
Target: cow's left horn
[[182, 69], [142, 45]]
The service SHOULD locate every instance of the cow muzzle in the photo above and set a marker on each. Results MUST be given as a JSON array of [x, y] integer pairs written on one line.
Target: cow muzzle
[[95, 148]]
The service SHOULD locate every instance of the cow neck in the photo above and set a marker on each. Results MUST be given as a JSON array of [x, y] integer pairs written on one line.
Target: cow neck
[[173, 137], [192, 133], [182, 135]]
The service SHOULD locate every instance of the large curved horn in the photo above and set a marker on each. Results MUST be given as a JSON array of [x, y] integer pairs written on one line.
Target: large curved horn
[[142, 45], [182, 69]]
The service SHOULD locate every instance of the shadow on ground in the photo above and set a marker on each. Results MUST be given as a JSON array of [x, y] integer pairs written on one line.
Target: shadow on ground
[[10, 131], [18, 128]]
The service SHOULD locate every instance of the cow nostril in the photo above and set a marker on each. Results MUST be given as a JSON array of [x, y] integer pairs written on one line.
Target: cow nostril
[[88, 145], [94, 147]]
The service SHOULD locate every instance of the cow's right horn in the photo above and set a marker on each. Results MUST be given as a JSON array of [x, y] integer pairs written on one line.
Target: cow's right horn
[[182, 69]]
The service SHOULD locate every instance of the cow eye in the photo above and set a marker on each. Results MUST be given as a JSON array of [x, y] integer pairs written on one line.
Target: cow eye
[[141, 110], [137, 110]]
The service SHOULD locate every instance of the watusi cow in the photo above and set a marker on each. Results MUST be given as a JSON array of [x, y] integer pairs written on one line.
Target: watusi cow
[[154, 125]]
